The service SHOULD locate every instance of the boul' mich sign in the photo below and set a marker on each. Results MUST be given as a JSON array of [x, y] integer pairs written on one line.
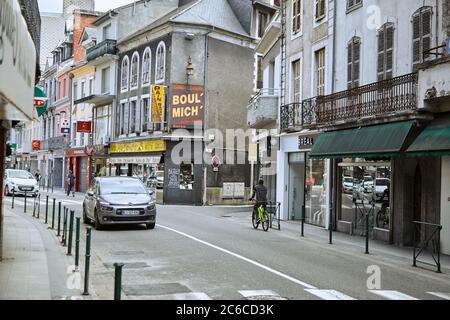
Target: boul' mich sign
[[187, 106]]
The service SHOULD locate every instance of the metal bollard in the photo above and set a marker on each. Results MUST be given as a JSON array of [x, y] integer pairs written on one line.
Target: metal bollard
[[39, 206], [64, 228], [87, 261], [13, 196], [367, 233], [53, 214], [118, 281], [59, 219], [77, 242], [46, 210], [331, 226], [25, 203], [303, 220], [69, 245]]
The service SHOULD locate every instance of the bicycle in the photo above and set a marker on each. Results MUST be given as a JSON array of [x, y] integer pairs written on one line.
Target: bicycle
[[261, 217], [383, 216]]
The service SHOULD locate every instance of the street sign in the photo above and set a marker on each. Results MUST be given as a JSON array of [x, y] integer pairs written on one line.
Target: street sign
[[216, 163], [65, 127], [448, 45]]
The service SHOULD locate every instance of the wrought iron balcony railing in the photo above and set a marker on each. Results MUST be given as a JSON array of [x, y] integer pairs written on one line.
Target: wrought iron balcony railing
[[373, 100], [296, 116], [105, 47]]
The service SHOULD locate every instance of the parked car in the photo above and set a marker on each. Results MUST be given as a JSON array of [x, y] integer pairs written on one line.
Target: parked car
[[347, 184], [20, 181], [381, 184], [368, 184], [119, 200]]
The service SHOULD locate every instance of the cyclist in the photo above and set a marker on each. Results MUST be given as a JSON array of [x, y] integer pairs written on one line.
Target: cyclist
[[260, 195]]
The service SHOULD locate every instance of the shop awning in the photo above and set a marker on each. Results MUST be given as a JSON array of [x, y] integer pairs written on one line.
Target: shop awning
[[434, 139], [384, 140]]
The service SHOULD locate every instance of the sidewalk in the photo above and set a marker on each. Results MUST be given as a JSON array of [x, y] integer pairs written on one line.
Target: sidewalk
[[34, 266]]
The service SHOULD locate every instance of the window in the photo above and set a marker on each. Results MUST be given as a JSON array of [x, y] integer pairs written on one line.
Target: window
[[83, 89], [385, 51], [320, 9], [124, 116], [118, 120], [263, 19], [296, 81], [353, 62], [106, 78], [320, 72], [145, 103], [64, 88], [91, 86], [186, 176], [160, 63], [421, 35], [146, 66], [107, 32], [75, 91], [134, 70], [133, 117], [353, 4], [125, 72], [296, 16]]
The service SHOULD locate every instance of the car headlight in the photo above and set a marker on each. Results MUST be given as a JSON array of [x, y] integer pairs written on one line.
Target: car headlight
[[104, 206]]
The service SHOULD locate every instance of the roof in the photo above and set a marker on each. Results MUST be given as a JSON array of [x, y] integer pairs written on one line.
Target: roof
[[215, 13]]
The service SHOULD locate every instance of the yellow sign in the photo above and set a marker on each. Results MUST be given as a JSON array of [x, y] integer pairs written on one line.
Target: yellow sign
[[140, 146], [157, 104]]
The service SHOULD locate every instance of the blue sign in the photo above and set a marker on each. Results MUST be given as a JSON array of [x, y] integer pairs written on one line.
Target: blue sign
[[65, 130], [448, 46]]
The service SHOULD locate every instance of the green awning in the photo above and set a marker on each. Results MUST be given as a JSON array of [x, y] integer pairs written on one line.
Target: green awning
[[434, 139], [384, 140]]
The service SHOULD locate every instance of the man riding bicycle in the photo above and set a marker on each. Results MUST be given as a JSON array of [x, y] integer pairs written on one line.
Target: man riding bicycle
[[260, 195]]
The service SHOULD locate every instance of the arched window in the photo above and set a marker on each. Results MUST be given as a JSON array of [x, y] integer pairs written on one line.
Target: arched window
[[125, 72], [160, 63], [353, 62], [146, 66], [134, 71], [385, 64]]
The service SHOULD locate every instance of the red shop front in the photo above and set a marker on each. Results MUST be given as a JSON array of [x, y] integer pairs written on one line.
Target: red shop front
[[79, 162]]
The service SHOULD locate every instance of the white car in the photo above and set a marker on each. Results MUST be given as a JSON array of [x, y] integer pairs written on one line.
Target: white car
[[347, 184], [381, 184], [20, 181], [368, 184]]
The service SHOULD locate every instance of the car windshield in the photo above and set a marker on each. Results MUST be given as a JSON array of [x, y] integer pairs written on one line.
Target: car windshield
[[20, 175], [382, 182], [122, 186], [368, 179]]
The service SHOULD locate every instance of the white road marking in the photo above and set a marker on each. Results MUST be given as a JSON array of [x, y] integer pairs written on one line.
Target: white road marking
[[442, 295], [392, 295], [191, 296], [258, 293], [278, 273], [329, 294]]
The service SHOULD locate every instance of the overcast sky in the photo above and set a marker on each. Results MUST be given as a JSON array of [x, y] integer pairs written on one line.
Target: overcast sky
[[100, 5]]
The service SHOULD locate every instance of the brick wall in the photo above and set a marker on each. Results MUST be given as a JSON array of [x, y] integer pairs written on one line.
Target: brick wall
[[81, 21]]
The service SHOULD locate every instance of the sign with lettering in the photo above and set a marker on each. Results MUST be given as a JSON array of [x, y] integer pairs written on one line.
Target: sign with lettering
[[84, 126], [158, 104], [17, 63], [306, 142], [187, 106], [140, 146], [173, 176]]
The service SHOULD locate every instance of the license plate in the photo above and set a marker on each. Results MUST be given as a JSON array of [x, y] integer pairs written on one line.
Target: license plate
[[27, 189], [132, 212]]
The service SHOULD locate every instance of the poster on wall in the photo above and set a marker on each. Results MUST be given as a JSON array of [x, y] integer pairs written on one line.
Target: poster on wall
[[158, 104], [187, 106]]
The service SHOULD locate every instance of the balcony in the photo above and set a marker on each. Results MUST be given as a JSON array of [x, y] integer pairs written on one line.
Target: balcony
[[54, 143], [299, 115], [393, 98], [103, 48], [263, 108]]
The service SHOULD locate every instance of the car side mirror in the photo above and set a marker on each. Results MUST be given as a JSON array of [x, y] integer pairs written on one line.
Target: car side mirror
[[151, 193]]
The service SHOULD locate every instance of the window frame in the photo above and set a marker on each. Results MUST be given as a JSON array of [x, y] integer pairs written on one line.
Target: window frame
[[158, 66], [317, 7], [148, 51], [125, 77], [420, 13], [355, 6], [297, 15], [384, 29], [134, 85], [352, 82]]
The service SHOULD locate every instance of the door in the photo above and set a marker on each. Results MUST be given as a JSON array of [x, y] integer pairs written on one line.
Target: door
[[296, 185], [417, 201]]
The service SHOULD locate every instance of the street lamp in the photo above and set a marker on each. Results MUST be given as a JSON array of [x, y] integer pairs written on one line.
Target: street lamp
[[189, 71]]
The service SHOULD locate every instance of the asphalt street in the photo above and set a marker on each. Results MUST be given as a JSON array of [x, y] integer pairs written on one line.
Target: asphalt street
[[214, 253]]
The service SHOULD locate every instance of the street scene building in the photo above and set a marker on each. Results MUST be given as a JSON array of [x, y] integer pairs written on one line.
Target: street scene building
[[332, 116]]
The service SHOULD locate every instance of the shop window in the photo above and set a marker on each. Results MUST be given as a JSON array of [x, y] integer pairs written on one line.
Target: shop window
[[186, 176]]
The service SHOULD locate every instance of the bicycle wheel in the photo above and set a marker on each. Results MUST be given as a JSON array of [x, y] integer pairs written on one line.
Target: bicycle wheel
[[265, 222], [255, 221]]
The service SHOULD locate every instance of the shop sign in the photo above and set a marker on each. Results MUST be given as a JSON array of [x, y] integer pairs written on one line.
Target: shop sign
[[17, 63], [306, 142], [84, 126], [136, 160], [187, 108], [158, 104], [75, 153], [36, 145], [140, 146]]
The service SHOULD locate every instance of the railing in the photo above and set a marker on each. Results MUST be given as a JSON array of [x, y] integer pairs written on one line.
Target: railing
[[254, 101], [376, 99], [299, 115], [429, 234], [435, 51], [105, 47], [263, 107]]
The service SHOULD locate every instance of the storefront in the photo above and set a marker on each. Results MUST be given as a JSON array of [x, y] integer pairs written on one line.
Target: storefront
[[302, 186], [79, 163], [99, 164]]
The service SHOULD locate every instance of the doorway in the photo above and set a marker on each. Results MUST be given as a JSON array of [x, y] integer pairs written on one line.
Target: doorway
[[296, 185], [417, 201]]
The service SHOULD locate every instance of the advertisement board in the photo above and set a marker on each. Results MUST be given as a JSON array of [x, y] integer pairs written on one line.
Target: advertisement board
[[158, 97], [187, 106]]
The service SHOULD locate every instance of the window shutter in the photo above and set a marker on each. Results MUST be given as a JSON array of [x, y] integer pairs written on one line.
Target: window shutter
[[380, 69], [426, 31], [416, 39], [322, 7], [356, 59], [389, 59]]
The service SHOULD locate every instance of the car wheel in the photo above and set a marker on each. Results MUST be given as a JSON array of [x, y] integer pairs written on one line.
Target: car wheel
[[151, 226], [97, 224], [86, 220]]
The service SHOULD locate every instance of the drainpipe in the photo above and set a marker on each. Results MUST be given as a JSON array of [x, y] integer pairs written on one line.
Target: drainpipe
[[205, 121]]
